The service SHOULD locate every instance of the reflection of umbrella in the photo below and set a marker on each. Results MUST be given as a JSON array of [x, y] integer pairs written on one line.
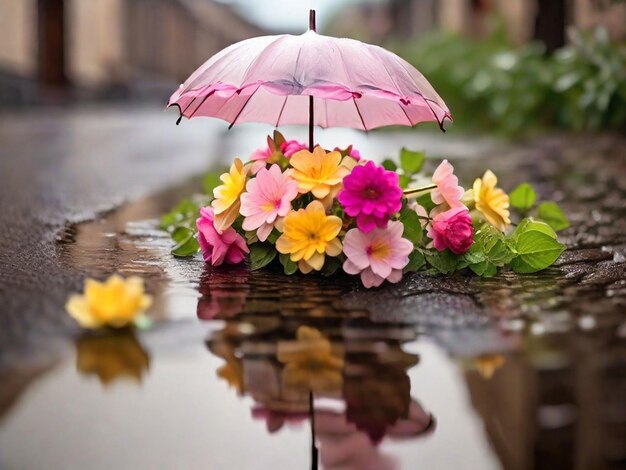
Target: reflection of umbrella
[[346, 83]]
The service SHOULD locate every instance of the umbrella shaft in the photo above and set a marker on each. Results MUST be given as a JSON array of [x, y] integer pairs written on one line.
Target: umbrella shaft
[[311, 119]]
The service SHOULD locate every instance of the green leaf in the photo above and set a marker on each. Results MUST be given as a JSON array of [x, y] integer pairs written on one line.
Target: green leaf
[[289, 266], [389, 164], [273, 236], [410, 161], [488, 252], [551, 213], [529, 224], [250, 237], [443, 261], [186, 248], [426, 202], [211, 181], [412, 228], [185, 212], [536, 251], [523, 197], [278, 139], [331, 265], [261, 254], [182, 234], [416, 261], [404, 181]]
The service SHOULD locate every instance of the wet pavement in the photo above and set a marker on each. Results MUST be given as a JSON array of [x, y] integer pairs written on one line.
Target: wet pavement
[[437, 372]]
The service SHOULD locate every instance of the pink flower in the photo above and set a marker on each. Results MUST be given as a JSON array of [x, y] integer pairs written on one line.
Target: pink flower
[[452, 229], [268, 197], [229, 246], [378, 255], [260, 157], [371, 194], [289, 147], [448, 189]]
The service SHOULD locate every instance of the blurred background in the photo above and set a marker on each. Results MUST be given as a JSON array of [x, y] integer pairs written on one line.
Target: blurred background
[[526, 64]]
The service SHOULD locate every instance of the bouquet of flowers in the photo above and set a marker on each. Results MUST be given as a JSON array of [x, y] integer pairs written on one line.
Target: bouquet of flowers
[[330, 210]]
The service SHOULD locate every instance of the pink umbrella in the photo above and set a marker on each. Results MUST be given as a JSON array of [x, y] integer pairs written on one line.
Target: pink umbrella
[[346, 83]]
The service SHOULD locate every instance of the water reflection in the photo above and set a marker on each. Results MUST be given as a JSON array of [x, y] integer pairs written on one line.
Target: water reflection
[[112, 356], [343, 377]]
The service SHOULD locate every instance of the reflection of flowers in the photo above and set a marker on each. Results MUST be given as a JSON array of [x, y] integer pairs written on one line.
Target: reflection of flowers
[[117, 302], [223, 293], [232, 373], [275, 419], [487, 364], [111, 357], [309, 362]]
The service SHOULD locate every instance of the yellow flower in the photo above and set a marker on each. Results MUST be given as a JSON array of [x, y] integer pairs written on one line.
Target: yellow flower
[[310, 362], [318, 172], [308, 235], [116, 302], [492, 202], [226, 203], [112, 357]]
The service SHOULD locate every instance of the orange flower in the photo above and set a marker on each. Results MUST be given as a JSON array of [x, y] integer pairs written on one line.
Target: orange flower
[[318, 172]]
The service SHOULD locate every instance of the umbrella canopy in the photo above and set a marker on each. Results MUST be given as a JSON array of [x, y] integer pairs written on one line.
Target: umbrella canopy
[[310, 79]]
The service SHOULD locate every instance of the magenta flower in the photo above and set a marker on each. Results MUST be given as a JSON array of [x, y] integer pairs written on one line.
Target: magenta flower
[[452, 229], [268, 197], [228, 247], [378, 255], [289, 147], [448, 189], [371, 194]]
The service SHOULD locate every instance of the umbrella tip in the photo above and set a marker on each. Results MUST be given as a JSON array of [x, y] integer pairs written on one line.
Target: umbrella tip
[[312, 20], [180, 118]]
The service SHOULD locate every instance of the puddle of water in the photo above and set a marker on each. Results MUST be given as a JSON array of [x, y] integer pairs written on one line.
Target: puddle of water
[[248, 370]]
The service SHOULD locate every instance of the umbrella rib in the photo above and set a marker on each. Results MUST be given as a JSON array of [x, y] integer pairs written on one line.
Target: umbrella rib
[[242, 108], [426, 100], [359, 111], [281, 111], [257, 58]]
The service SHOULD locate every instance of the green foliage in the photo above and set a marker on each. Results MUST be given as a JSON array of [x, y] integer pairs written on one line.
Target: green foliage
[[331, 265], [489, 252], [523, 197], [289, 266], [444, 262], [389, 164], [551, 213], [518, 89], [184, 213], [261, 254], [186, 242], [412, 227], [535, 246], [416, 261], [411, 162]]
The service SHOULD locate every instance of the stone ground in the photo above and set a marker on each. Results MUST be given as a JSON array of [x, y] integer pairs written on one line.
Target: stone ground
[[62, 168]]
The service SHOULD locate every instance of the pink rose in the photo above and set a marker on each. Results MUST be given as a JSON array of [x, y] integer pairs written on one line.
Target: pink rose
[[228, 247], [452, 229], [289, 147]]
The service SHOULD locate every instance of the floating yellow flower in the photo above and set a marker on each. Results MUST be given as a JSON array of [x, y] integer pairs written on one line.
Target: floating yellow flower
[[226, 203], [318, 172], [310, 362], [492, 202], [308, 235], [116, 302], [112, 357]]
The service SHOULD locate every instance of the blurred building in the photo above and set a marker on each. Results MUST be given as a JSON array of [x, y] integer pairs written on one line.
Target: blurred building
[[54, 50], [545, 20]]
